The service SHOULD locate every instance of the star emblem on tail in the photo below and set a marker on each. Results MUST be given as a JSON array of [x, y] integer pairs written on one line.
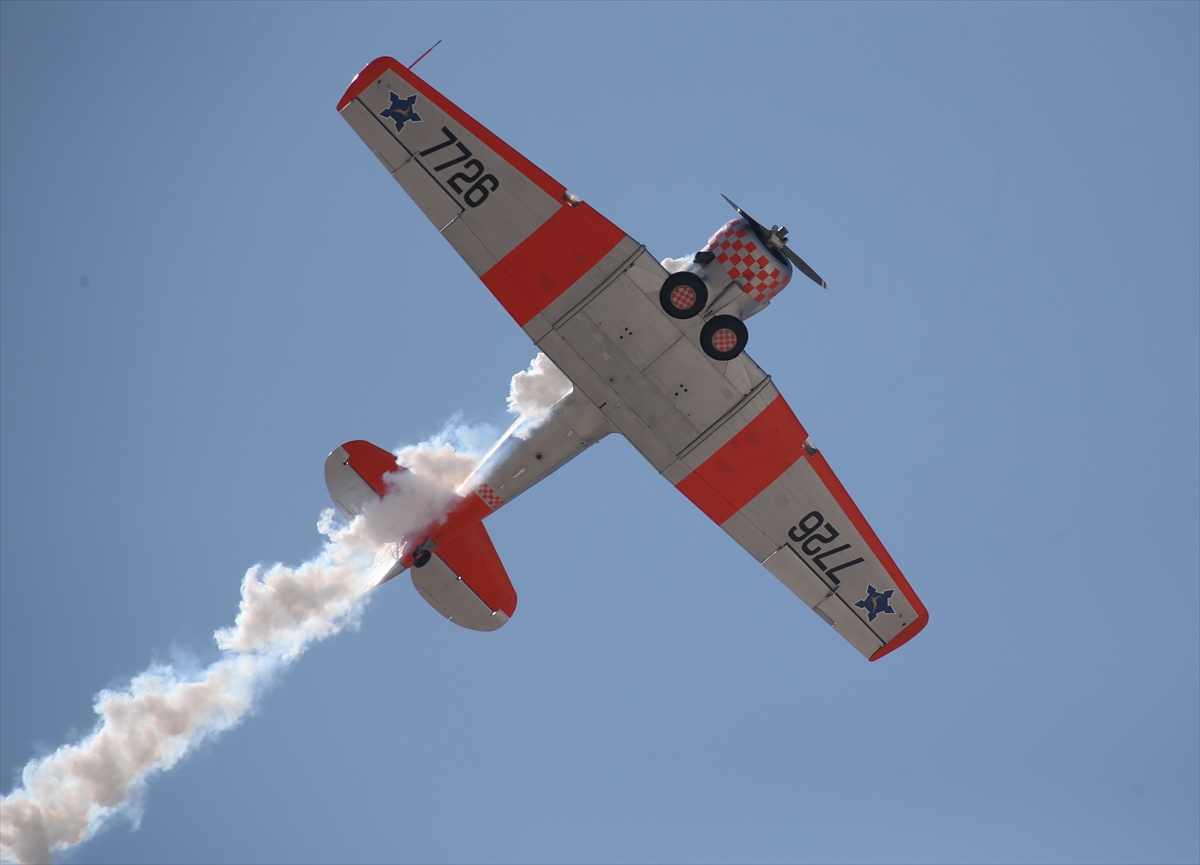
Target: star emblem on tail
[[401, 110]]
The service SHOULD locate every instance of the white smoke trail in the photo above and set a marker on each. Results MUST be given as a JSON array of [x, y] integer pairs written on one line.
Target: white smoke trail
[[149, 726], [533, 392], [162, 715], [674, 265]]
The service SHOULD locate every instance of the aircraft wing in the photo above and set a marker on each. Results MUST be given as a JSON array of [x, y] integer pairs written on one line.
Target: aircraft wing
[[587, 295], [758, 478], [506, 217]]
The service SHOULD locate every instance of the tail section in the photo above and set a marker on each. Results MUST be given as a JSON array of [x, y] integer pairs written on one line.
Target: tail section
[[459, 574], [354, 475], [465, 581]]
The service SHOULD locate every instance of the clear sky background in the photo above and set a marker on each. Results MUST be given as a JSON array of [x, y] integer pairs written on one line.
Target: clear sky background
[[208, 283]]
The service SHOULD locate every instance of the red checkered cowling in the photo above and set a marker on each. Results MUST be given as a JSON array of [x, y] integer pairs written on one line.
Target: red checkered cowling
[[743, 257], [489, 496]]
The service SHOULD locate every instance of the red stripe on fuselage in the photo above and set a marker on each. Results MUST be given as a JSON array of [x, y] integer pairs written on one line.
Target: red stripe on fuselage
[[552, 259], [747, 464], [377, 67]]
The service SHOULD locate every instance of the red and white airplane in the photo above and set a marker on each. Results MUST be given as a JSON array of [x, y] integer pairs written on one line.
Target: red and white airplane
[[655, 356]]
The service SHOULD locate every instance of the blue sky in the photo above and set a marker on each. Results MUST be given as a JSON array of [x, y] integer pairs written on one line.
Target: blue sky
[[207, 283]]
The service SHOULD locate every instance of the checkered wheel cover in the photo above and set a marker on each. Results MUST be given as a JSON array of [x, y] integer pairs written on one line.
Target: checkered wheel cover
[[683, 297], [724, 339]]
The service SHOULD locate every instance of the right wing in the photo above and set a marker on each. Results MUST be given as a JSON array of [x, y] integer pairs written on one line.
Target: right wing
[[759, 479]]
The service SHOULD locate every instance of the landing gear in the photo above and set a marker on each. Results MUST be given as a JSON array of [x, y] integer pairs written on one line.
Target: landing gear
[[421, 558], [724, 337], [683, 295]]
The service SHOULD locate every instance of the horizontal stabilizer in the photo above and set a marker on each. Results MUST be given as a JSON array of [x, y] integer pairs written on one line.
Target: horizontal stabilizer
[[354, 475], [465, 581]]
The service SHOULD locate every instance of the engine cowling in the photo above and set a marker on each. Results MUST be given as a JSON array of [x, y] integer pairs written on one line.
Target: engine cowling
[[740, 257]]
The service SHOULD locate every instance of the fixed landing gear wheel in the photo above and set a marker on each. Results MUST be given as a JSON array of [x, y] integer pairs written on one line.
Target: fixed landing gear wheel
[[683, 294], [724, 337], [421, 558]]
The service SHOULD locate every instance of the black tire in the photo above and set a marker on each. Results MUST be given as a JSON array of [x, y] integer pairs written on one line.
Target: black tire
[[678, 289], [715, 337], [421, 558]]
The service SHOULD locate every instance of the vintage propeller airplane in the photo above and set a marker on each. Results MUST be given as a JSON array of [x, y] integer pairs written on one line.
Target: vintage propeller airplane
[[655, 356]]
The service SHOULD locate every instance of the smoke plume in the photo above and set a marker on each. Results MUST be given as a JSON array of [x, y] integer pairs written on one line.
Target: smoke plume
[[534, 391], [163, 714]]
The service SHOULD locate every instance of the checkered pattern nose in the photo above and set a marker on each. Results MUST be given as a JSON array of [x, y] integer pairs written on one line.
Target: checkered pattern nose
[[743, 257]]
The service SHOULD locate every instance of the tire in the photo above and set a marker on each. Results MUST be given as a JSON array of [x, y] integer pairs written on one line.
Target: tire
[[683, 295], [421, 558], [724, 337]]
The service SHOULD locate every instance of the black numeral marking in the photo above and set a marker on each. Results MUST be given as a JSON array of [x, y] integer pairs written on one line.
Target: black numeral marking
[[805, 535], [466, 154], [823, 539], [830, 573], [808, 525], [450, 139], [817, 559], [480, 190], [482, 184], [453, 181]]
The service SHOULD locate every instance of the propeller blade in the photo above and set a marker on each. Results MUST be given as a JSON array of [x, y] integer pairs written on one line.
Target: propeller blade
[[758, 227], [804, 268], [764, 234]]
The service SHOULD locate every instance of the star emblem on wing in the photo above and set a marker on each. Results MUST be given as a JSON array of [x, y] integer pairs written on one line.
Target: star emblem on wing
[[401, 110], [876, 602]]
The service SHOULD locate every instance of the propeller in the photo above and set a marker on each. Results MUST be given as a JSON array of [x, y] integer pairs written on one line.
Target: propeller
[[775, 238]]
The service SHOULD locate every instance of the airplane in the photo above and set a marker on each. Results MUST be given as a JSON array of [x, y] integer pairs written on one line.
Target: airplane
[[657, 357]]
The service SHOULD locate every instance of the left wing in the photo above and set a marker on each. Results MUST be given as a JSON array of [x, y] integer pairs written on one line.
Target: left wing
[[510, 221]]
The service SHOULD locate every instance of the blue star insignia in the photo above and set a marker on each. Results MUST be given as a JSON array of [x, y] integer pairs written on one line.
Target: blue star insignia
[[876, 602], [401, 110]]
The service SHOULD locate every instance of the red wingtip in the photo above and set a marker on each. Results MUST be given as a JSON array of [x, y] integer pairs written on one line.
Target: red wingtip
[[363, 79], [377, 67], [908, 633]]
